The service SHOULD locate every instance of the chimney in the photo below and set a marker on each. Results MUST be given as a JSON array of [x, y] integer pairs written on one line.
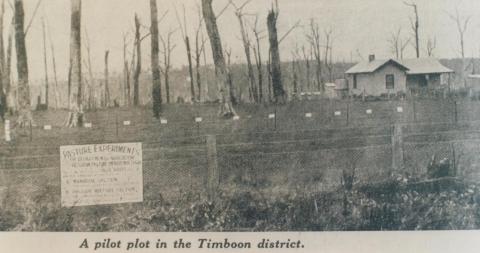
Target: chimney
[[371, 58]]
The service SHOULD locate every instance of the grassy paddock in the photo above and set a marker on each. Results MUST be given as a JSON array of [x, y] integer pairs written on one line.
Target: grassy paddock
[[390, 205]]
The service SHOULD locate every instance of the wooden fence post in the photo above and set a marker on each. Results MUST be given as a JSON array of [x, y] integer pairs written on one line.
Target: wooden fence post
[[213, 171], [397, 147]]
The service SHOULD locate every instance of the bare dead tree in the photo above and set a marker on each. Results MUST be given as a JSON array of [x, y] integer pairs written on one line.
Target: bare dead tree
[[199, 49], [45, 62], [431, 46], [107, 88], [269, 77], [126, 74], [246, 45], [11, 99], [258, 58], [462, 26], [226, 109], [279, 95], [75, 115], [307, 59], [415, 26], [54, 68], [295, 56], [314, 39], [3, 97], [25, 113], [168, 47], [328, 53], [92, 83], [228, 53], [394, 42], [186, 40], [138, 65], [155, 60]]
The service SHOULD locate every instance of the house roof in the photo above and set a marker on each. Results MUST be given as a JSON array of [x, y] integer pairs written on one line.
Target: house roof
[[412, 66], [424, 66], [372, 66]]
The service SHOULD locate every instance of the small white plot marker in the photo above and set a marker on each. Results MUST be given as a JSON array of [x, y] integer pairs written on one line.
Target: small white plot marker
[[88, 125], [271, 116], [126, 123], [236, 117], [47, 127], [317, 93], [163, 121], [198, 119], [369, 111], [399, 109], [338, 113], [308, 115], [302, 93]]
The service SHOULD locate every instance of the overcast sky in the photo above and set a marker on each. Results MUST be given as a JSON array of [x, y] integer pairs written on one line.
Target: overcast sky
[[362, 26]]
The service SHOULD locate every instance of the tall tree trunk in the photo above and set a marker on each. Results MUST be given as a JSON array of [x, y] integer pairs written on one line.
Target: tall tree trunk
[[3, 99], [258, 62], [246, 46], [226, 109], [278, 91], [126, 75], [11, 101], [156, 85], [25, 113], [269, 77], [295, 77], [45, 62], [3, 73], [138, 67], [197, 67], [107, 88], [190, 67], [76, 111], [54, 66]]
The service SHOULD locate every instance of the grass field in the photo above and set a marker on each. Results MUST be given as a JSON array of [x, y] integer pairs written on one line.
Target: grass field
[[290, 160]]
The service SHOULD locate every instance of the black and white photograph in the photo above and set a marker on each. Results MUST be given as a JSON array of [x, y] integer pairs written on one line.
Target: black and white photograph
[[239, 116]]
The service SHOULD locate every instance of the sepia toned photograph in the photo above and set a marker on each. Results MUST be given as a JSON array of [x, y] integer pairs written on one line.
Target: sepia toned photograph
[[239, 116]]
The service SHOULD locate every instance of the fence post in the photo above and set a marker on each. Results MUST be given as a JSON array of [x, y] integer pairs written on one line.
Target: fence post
[[456, 111], [397, 147], [414, 111], [213, 171], [31, 131], [348, 111]]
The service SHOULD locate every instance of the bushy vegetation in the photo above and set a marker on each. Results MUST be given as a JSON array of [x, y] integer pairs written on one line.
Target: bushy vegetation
[[396, 204]]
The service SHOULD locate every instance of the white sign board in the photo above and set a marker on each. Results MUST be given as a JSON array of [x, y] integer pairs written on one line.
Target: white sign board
[[399, 109], [88, 125], [236, 117], [308, 115], [101, 174], [369, 111], [47, 127], [127, 123], [271, 116], [338, 113], [198, 119]]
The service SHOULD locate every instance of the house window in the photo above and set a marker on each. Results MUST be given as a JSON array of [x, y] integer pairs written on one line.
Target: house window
[[390, 82], [354, 81]]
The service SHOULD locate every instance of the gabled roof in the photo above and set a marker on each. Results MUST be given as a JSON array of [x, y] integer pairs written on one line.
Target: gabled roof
[[424, 66], [372, 66], [411, 66]]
